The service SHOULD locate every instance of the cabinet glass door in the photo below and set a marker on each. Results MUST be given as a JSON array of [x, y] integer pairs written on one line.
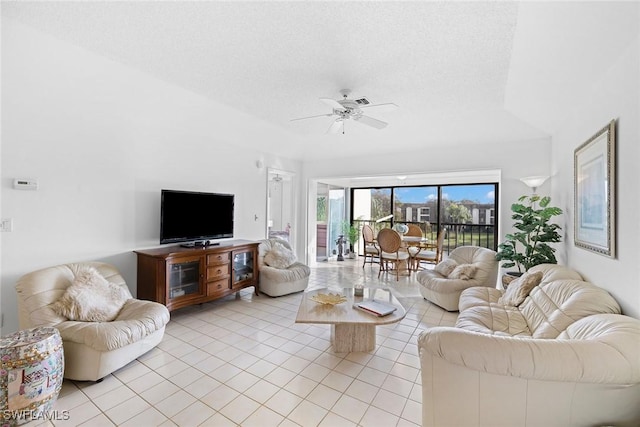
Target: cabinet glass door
[[243, 264], [184, 278]]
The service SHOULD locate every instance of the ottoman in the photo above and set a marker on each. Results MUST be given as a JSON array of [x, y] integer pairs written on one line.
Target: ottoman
[[31, 371]]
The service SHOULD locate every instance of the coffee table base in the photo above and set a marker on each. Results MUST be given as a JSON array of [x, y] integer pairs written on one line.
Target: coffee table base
[[349, 337]]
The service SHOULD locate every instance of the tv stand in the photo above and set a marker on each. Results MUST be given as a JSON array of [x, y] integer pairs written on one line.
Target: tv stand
[[179, 277]]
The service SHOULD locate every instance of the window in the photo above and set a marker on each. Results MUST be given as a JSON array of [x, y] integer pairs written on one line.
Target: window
[[371, 204], [466, 211], [412, 203], [464, 214], [424, 214]]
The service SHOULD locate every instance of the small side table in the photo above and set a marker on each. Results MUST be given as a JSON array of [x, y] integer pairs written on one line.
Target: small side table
[[31, 373]]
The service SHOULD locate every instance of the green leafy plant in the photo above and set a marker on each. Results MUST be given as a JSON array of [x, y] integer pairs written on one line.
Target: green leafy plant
[[321, 211], [532, 216], [351, 232]]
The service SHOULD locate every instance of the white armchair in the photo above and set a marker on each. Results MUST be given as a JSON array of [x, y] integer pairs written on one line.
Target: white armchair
[[92, 350], [445, 292], [285, 276]]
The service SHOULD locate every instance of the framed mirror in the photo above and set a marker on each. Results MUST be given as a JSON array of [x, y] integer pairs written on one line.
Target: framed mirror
[[281, 205]]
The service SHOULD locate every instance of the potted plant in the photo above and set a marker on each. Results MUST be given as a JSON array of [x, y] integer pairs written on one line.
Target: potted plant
[[529, 245], [352, 234]]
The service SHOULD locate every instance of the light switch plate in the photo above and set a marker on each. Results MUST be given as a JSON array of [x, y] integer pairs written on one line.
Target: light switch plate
[[25, 184]]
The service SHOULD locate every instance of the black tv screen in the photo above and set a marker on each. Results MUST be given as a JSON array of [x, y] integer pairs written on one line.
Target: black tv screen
[[193, 216]]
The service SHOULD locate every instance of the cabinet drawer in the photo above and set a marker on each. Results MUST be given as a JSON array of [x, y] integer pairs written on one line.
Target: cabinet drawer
[[216, 271], [217, 287], [218, 258]]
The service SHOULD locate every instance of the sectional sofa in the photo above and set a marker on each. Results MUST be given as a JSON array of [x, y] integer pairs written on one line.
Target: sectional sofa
[[565, 356]]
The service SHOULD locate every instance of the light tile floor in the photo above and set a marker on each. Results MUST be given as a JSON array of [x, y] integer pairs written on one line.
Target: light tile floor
[[244, 361]]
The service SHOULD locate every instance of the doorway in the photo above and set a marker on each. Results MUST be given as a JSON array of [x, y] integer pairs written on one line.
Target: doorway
[[330, 211], [322, 216], [336, 219]]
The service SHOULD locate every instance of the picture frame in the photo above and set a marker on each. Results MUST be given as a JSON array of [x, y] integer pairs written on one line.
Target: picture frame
[[594, 192]]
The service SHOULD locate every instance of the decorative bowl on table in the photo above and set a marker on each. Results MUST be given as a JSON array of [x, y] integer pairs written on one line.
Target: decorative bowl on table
[[401, 228], [329, 299]]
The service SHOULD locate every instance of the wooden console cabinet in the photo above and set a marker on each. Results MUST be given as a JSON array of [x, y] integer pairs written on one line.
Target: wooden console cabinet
[[178, 277]]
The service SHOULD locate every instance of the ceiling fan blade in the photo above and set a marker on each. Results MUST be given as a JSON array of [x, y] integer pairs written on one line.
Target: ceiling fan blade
[[335, 126], [389, 106], [370, 121], [332, 103], [312, 117]]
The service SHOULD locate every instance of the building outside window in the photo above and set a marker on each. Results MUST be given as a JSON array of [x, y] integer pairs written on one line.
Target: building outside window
[[424, 214]]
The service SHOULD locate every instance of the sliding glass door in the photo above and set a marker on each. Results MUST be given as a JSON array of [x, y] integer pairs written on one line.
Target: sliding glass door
[[467, 212]]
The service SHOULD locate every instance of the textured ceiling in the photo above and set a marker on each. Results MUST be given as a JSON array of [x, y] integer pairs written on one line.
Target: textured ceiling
[[448, 65]]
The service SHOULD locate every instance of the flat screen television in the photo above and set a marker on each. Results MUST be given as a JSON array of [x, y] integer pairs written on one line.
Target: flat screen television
[[195, 217]]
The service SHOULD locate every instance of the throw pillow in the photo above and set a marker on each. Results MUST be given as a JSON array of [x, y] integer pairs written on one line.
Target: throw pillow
[[91, 298], [463, 271], [279, 257], [520, 288], [446, 267]]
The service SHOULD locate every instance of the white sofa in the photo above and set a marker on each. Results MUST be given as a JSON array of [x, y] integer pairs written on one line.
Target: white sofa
[[92, 350], [564, 357]]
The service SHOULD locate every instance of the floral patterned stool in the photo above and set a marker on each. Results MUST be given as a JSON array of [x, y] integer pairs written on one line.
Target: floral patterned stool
[[31, 371]]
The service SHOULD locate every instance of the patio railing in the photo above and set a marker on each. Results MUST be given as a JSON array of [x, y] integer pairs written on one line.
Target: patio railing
[[456, 234]]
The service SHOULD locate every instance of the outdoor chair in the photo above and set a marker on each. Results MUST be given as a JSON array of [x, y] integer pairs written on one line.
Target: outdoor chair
[[390, 244]]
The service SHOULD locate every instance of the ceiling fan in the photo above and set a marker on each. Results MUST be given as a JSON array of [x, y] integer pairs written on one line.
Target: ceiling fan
[[345, 109]]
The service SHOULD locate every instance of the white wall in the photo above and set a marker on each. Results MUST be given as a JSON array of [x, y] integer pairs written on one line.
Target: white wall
[[103, 139], [615, 96]]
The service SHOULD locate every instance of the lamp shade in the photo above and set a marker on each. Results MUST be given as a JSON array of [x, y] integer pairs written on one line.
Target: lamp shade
[[534, 181]]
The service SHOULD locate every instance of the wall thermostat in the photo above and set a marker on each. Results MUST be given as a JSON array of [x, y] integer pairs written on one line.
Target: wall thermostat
[[25, 184]]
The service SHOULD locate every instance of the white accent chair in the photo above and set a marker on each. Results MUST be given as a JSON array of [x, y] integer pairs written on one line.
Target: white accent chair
[[445, 292], [276, 282], [92, 350]]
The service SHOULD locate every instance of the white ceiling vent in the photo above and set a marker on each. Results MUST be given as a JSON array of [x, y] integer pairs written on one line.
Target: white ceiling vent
[[362, 101]]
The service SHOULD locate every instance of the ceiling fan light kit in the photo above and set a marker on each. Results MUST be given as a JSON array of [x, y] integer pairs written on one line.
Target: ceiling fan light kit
[[346, 109]]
